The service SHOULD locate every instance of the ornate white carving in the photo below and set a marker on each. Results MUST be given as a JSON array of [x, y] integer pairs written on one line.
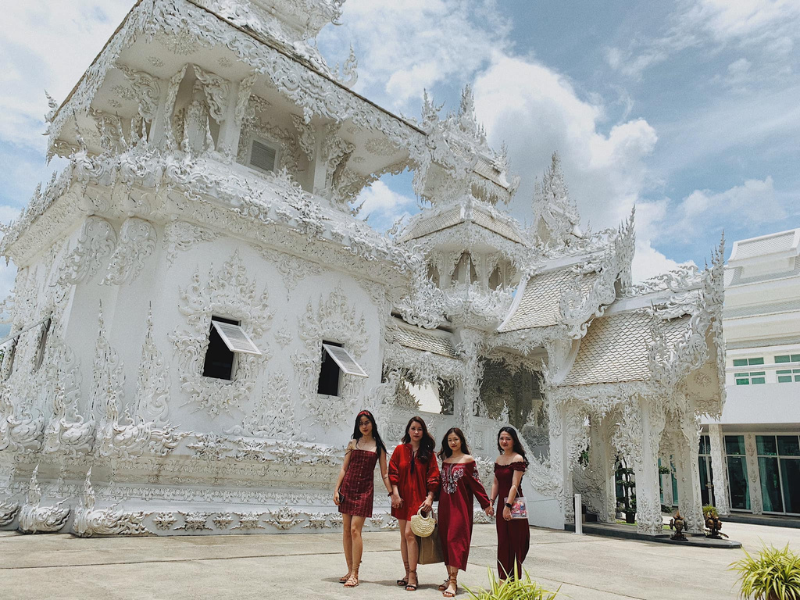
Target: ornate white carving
[[332, 320], [96, 242], [8, 512], [146, 90], [217, 91], [229, 293], [137, 240], [90, 521], [36, 519], [180, 236]]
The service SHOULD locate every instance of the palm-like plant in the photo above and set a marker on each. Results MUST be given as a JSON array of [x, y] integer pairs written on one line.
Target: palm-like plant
[[774, 574], [520, 588]]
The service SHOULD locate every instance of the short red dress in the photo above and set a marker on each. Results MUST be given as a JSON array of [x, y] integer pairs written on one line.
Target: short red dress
[[460, 484], [357, 486], [413, 478], [514, 536]]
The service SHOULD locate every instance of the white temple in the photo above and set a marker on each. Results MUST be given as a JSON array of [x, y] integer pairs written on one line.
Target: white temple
[[199, 314]]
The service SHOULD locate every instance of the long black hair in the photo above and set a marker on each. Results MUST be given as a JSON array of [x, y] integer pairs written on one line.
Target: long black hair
[[517, 444], [446, 452], [426, 445], [357, 435]]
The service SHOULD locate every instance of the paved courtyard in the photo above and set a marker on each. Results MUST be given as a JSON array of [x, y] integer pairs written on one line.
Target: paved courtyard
[[307, 566]]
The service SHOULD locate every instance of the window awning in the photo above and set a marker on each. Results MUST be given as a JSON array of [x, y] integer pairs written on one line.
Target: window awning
[[345, 360], [235, 338], [24, 330]]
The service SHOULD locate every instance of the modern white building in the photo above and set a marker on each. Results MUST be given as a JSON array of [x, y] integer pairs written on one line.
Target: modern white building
[[756, 442], [198, 313]]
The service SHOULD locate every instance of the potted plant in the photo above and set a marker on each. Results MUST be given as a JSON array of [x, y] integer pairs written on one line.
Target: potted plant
[[521, 588], [773, 574]]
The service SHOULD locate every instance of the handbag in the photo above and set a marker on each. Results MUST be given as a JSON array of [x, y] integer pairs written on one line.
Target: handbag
[[519, 510], [430, 549], [421, 525]]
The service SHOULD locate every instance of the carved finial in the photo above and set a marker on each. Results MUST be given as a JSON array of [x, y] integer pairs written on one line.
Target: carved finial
[[349, 73], [430, 112], [53, 105], [556, 220], [78, 136]]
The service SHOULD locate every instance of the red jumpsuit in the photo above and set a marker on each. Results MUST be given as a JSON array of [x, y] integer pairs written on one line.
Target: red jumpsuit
[[460, 483], [514, 536], [412, 484]]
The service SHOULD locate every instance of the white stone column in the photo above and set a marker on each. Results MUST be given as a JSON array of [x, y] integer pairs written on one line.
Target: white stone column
[[601, 464], [690, 499], [753, 474], [719, 467], [468, 399], [559, 456]]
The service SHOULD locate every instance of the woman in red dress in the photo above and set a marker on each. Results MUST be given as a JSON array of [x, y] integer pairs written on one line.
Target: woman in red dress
[[513, 535], [354, 489], [414, 475], [460, 484]]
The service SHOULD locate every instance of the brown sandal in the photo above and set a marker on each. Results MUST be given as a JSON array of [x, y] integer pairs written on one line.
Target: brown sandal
[[353, 580], [447, 593], [443, 586], [345, 578]]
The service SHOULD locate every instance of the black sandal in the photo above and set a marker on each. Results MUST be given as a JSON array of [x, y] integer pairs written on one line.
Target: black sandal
[[412, 587], [403, 582]]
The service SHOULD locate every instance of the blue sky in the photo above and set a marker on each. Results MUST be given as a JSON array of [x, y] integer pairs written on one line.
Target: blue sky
[[689, 109]]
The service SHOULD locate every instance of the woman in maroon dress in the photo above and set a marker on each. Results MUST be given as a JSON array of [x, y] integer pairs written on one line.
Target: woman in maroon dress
[[354, 489], [513, 535], [460, 484], [414, 475]]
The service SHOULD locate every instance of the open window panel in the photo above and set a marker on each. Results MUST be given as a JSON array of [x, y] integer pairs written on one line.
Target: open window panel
[[345, 360], [235, 338]]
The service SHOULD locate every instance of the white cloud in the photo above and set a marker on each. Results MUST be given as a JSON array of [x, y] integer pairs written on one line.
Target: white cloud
[[382, 206], [536, 111], [752, 203], [405, 47], [47, 45]]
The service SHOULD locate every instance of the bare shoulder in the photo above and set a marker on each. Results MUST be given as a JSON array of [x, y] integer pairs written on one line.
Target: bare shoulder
[[351, 445], [467, 459], [517, 458]]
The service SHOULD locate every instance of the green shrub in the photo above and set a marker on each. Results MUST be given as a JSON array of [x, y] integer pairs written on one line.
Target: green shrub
[[522, 588], [772, 575], [708, 508]]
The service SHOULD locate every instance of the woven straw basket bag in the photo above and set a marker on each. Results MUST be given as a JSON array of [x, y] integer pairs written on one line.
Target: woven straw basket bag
[[421, 525]]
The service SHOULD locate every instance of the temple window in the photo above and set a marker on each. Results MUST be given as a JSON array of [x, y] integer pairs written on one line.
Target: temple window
[[40, 350], [496, 278], [335, 361], [226, 339], [262, 156]]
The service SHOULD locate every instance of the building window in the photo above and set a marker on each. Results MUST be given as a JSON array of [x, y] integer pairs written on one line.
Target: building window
[[749, 377], [737, 472], [335, 361], [788, 375], [706, 472], [262, 156], [779, 470], [40, 350], [226, 339]]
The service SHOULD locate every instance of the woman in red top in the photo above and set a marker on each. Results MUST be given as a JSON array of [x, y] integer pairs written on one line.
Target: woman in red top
[[414, 475], [513, 535], [354, 491], [460, 484]]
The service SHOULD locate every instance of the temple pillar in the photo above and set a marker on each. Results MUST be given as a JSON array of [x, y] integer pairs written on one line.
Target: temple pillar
[[690, 499], [638, 438], [467, 397], [601, 465], [559, 456], [720, 470]]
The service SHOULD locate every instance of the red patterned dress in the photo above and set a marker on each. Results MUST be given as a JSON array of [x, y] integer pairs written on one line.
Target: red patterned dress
[[514, 536], [413, 478], [460, 484], [357, 486]]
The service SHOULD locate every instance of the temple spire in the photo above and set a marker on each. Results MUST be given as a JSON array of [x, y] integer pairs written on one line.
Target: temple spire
[[556, 220]]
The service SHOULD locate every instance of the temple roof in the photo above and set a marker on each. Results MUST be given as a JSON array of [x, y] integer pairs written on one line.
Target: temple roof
[[437, 342], [540, 303], [433, 220], [616, 348]]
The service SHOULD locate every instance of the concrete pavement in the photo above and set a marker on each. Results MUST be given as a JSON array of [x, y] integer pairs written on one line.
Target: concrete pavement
[[308, 566]]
